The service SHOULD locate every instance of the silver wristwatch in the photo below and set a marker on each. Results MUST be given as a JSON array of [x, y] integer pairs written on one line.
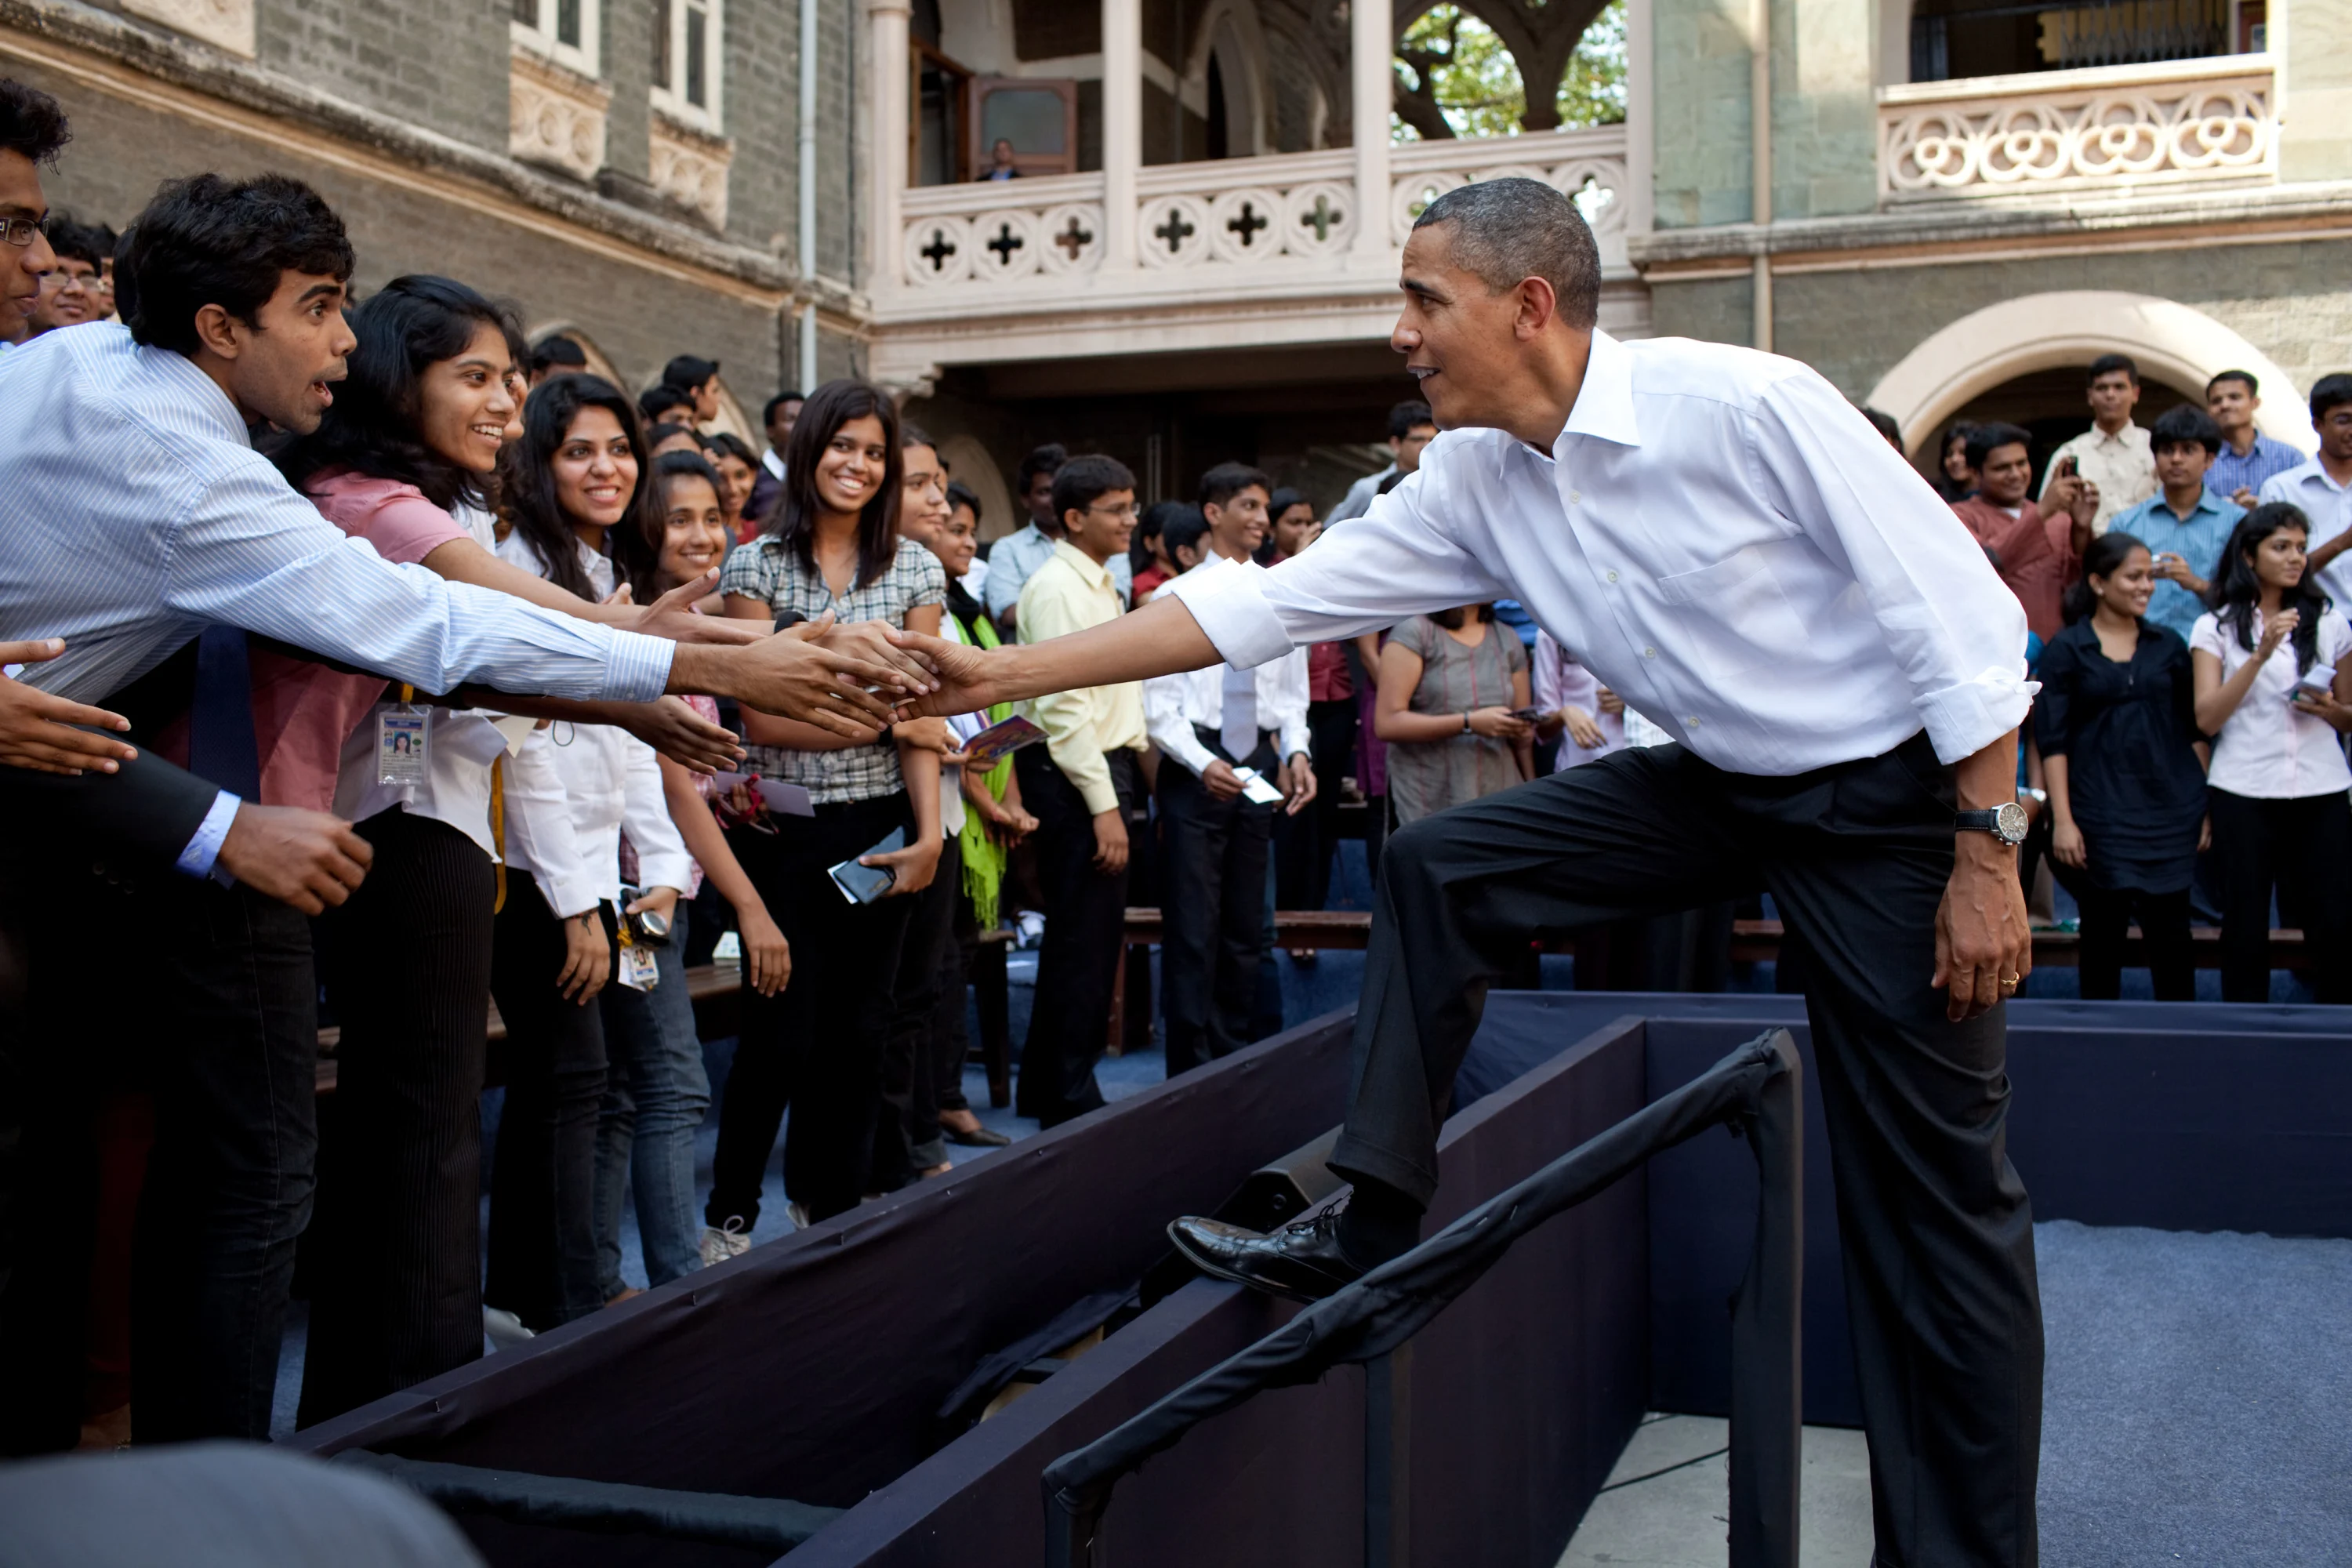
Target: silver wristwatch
[[2006, 822]]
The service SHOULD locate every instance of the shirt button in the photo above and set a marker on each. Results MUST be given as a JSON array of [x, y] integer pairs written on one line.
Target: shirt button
[[1576, 498], [1613, 576], [1649, 653], [1693, 721]]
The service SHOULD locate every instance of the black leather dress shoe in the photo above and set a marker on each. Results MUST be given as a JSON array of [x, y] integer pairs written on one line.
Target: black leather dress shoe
[[978, 1138], [1301, 1261]]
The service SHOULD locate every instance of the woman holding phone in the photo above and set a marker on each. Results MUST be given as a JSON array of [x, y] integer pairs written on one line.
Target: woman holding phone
[[831, 549], [655, 1090], [2124, 768], [2272, 689]]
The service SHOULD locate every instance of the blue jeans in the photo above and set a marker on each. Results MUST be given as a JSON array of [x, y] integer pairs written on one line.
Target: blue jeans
[[655, 1096]]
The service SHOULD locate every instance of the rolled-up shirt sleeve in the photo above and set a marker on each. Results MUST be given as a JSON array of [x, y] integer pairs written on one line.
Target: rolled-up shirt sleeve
[[1389, 563], [1955, 628], [252, 554]]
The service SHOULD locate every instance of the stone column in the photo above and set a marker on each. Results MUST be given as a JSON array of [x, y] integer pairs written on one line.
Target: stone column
[[1122, 128], [1371, 40], [886, 76]]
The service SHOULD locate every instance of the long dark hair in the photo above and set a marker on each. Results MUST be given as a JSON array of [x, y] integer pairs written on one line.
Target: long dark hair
[[637, 551], [375, 425], [2104, 558], [2238, 593], [529, 476], [1454, 618], [791, 521]]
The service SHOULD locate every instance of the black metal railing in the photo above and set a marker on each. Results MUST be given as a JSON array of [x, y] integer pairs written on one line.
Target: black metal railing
[[1756, 1090]]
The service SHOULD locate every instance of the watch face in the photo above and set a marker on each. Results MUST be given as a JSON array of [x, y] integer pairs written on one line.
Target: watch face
[[2010, 823]]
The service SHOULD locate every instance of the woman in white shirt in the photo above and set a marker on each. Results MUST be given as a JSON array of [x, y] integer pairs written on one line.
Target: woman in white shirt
[[2272, 684], [579, 473]]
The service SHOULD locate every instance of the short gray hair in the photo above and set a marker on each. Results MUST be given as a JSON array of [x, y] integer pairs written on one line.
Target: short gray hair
[[1509, 229]]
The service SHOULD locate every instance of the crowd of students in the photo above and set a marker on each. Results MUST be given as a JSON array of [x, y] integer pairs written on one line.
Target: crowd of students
[[2183, 584]]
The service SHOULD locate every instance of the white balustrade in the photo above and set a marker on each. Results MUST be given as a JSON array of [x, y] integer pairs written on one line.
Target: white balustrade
[[1589, 165], [2174, 123], [1284, 217]]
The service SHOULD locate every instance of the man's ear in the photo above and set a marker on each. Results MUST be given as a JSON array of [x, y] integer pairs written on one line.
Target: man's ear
[[219, 332], [1538, 307]]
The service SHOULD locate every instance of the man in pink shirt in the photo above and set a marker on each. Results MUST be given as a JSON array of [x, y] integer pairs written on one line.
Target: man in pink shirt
[[2037, 554]]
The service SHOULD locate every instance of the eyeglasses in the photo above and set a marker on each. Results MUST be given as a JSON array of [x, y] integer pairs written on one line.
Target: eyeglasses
[[1127, 511], [20, 232]]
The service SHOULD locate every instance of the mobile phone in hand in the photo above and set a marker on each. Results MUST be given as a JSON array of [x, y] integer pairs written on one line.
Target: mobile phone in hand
[[1527, 715], [864, 884]]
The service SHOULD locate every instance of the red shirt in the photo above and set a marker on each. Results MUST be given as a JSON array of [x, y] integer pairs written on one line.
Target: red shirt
[[2036, 555]]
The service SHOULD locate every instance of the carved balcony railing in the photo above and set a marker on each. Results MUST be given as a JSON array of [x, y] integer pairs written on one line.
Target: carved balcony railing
[[2111, 126], [1284, 220]]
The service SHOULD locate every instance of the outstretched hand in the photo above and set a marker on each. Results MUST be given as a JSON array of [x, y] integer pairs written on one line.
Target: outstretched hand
[[964, 675], [843, 679], [672, 615], [38, 729]]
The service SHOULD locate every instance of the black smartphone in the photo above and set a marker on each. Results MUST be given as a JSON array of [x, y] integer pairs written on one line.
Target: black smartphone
[[864, 884]]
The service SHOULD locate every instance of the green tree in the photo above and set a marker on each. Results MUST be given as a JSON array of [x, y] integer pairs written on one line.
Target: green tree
[[1455, 78]]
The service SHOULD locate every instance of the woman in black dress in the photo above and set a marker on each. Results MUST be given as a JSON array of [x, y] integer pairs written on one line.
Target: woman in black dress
[[2125, 770]]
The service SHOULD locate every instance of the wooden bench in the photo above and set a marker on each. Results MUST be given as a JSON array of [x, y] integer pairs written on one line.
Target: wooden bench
[[1751, 940], [716, 991]]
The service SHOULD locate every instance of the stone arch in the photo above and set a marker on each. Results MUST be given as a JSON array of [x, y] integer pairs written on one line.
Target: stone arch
[[2170, 341], [1230, 32], [598, 363]]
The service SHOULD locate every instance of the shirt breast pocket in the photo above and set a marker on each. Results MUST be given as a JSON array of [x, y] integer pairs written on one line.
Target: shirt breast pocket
[[1733, 619]]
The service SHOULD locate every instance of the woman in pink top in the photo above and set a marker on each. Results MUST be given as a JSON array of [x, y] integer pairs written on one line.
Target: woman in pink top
[[404, 460]]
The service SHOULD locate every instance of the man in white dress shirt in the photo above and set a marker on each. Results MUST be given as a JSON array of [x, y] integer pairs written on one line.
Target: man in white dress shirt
[[1727, 542], [2321, 488], [1214, 840]]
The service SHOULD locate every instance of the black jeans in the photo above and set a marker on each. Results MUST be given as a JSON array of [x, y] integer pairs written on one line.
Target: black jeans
[[2303, 849], [222, 1002], [817, 1045], [1086, 930], [907, 1131], [1304, 844], [2164, 930], [1938, 1232], [394, 1257], [1213, 910], [543, 1243]]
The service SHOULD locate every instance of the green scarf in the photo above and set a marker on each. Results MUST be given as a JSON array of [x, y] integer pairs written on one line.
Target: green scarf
[[984, 857]]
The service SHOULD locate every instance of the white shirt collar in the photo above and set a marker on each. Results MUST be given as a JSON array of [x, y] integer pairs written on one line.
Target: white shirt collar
[[1604, 404], [772, 462]]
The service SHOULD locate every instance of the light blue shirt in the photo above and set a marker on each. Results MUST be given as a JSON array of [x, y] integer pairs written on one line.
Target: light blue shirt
[[2230, 473], [1013, 559], [2329, 507], [2199, 539], [135, 512]]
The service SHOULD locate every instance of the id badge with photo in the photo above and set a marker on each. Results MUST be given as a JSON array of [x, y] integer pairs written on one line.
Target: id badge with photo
[[402, 734], [640, 970]]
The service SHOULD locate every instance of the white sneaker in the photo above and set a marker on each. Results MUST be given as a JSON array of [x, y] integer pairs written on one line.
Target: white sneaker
[[504, 1327], [1028, 929], [718, 1245], [798, 1214]]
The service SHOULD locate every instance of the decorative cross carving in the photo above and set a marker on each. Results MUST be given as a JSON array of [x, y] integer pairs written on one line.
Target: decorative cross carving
[[1005, 243], [1247, 223], [1175, 231], [1322, 219], [938, 251], [1073, 239]]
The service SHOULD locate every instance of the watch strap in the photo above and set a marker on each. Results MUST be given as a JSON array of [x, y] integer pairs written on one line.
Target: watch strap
[[1978, 821]]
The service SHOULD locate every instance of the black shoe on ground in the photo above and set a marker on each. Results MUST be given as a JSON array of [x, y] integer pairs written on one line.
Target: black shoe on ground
[[978, 1138], [1301, 1261]]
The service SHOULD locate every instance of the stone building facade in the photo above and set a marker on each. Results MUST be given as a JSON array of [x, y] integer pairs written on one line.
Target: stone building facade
[[542, 164], [1950, 207]]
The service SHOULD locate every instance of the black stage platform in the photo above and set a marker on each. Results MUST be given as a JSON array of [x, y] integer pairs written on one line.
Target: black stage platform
[[815, 1369]]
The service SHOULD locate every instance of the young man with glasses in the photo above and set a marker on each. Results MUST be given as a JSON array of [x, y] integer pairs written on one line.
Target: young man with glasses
[[73, 292]]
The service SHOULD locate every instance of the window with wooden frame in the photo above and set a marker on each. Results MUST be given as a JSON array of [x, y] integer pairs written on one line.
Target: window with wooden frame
[[689, 61]]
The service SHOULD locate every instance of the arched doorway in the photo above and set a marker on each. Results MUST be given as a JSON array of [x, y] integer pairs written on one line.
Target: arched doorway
[[2176, 347]]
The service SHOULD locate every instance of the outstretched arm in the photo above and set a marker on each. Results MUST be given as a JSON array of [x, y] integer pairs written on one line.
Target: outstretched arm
[[1160, 638]]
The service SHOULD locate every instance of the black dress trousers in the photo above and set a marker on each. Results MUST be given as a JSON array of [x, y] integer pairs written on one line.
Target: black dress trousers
[[1213, 909], [1937, 1228], [1086, 930], [394, 1253]]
